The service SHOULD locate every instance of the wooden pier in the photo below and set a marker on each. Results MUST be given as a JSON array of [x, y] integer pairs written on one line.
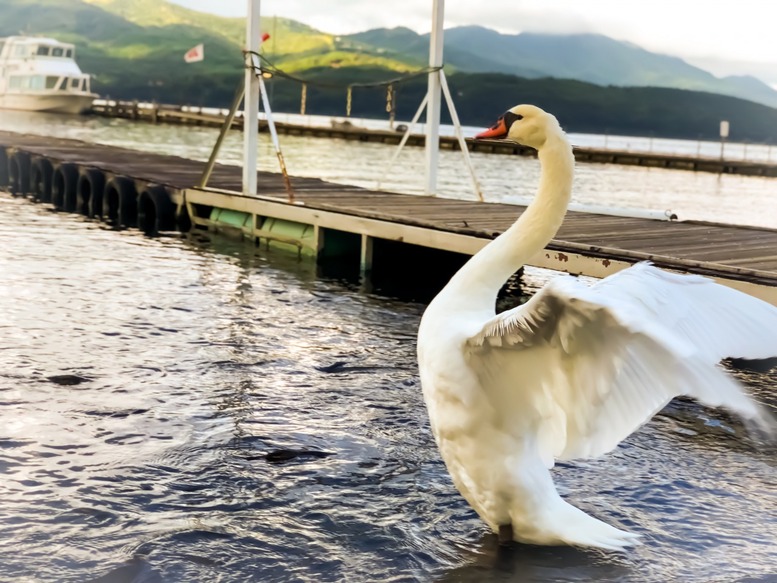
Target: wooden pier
[[156, 113], [157, 193]]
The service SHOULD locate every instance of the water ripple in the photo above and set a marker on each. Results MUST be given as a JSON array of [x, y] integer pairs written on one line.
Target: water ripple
[[178, 411]]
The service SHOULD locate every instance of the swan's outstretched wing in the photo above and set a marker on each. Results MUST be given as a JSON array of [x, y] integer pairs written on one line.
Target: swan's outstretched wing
[[594, 363], [720, 322]]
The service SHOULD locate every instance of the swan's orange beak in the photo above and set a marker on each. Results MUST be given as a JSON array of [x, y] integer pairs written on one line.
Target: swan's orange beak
[[496, 131]]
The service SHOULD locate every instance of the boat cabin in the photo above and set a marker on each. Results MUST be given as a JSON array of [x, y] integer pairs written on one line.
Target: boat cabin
[[31, 64]]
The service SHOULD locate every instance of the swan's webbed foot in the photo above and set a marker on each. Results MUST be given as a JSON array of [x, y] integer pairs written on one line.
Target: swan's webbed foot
[[505, 534]]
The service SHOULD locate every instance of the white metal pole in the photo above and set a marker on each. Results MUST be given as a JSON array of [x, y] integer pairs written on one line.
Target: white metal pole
[[274, 137], [434, 98], [460, 135], [403, 141], [251, 100]]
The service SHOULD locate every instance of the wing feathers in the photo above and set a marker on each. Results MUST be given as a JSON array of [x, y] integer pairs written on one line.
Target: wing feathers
[[720, 321], [597, 362]]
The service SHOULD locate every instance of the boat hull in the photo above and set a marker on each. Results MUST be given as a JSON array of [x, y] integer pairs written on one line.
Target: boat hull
[[56, 103]]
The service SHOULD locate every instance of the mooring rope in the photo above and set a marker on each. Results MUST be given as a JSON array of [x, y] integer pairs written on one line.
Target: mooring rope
[[269, 67]]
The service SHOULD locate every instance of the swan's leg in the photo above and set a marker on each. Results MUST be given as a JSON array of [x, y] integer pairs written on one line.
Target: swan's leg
[[505, 534]]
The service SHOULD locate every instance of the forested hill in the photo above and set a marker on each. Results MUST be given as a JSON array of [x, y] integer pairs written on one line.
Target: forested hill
[[583, 57], [580, 107], [134, 49]]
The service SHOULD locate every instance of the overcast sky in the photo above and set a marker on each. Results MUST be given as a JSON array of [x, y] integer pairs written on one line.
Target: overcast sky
[[743, 31]]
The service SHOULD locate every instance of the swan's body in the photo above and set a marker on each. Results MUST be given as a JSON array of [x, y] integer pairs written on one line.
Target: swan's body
[[573, 371]]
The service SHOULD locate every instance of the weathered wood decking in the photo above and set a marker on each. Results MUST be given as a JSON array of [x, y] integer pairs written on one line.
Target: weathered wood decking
[[587, 243]]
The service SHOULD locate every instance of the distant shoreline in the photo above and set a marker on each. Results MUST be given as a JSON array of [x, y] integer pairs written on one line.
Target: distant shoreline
[[707, 159]]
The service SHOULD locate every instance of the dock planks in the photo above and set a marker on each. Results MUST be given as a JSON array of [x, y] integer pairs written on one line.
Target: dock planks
[[745, 254]]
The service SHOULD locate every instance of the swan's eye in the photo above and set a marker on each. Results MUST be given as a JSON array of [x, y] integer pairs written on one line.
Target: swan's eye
[[510, 118]]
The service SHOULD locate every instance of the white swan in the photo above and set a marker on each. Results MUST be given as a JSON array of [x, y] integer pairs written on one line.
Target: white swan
[[573, 371]]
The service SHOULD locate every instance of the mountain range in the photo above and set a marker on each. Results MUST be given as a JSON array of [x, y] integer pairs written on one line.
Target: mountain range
[[134, 49], [585, 57]]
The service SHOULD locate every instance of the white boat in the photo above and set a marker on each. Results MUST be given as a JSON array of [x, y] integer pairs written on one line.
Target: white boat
[[41, 74]]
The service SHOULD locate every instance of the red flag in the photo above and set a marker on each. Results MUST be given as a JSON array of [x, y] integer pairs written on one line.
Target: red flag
[[195, 54], [265, 36]]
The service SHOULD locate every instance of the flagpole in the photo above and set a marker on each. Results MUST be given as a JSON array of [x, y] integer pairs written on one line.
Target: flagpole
[[434, 98], [251, 102]]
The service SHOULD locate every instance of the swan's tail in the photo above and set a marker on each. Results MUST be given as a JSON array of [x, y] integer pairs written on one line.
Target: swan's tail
[[562, 523], [580, 529]]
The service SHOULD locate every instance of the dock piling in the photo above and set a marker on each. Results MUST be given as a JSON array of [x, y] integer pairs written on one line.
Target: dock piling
[[365, 258]]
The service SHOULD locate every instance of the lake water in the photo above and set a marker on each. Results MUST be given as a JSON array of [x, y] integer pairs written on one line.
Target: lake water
[[153, 393]]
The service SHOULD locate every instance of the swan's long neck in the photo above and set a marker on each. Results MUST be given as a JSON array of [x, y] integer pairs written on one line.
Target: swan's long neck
[[479, 281]]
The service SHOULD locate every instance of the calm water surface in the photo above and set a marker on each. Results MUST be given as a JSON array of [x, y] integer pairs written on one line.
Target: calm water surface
[[154, 392]]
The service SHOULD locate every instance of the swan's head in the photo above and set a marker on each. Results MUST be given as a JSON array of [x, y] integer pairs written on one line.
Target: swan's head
[[526, 124]]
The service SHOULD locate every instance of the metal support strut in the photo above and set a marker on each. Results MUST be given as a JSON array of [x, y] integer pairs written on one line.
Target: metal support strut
[[249, 164], [437, 84]]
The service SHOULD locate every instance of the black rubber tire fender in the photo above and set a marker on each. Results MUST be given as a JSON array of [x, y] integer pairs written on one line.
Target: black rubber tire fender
[[156, 211], [41, 176], [19, 172], [63, 186], [4, 178], [120, 202], [89, 192]]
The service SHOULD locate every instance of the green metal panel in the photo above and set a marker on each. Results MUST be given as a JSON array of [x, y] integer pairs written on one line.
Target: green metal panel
[[289, 230], [230, 218]]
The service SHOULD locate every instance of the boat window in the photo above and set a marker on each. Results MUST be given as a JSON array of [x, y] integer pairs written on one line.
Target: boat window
[[19, 82], [75, 83], [57, 52], [69, 53], [2, 46], [20, 51], [43, 51], [37, 82], [51, 82]]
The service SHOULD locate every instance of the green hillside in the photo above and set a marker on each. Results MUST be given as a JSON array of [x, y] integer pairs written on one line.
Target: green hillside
[[580, 107], [134, 49]]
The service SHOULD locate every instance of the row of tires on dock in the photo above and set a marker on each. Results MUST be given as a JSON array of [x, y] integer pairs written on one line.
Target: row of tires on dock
[[117, 200]]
